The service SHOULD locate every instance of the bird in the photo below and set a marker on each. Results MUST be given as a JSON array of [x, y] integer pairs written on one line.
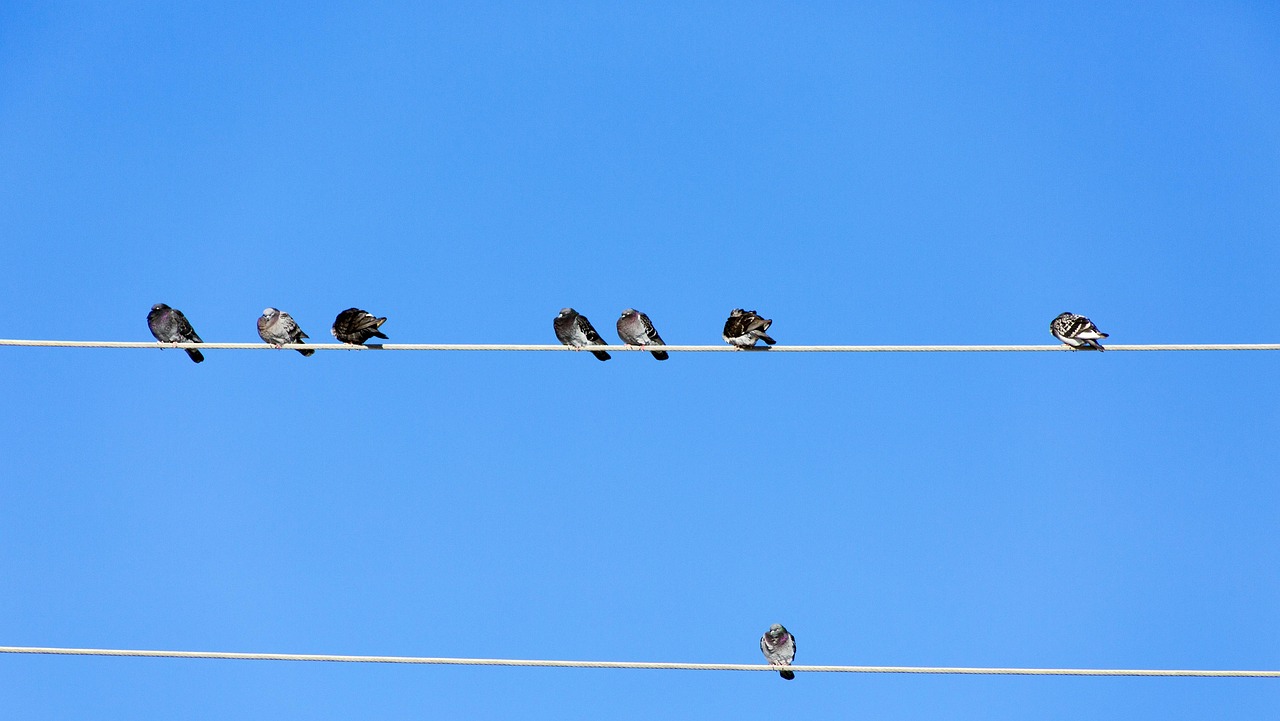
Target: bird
[[169, 325], [1076, 331], [278, 327], [779, 647], [635, 328], [575, 331], [356, 326], [745, 327]]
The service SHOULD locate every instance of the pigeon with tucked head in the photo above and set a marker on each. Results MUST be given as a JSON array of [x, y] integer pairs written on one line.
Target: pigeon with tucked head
[[745, 327], [357, 326], [1076, 331]]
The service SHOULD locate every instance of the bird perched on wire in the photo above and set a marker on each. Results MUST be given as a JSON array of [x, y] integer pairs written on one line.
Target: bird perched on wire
[[169, 325], [1076, 331], [356, 326], [634, 328], [745, 327], [779, 647], [278, 327], [575, 331]]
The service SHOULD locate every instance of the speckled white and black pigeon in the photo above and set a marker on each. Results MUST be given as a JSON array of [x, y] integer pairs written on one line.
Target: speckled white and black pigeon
[[356, 326], [169, 325], [1076, 331], [575, 331], [745, 327], [634, 328], [278, 327], [779, 647]]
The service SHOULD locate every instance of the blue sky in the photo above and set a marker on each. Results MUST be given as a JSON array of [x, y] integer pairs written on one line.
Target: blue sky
[[887, 173]]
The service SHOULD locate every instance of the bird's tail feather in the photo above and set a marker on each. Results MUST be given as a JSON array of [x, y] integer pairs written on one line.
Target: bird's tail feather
[[600, 355], [787, 675], [660, 354], [766, 338], [196, 355], [306, 352]]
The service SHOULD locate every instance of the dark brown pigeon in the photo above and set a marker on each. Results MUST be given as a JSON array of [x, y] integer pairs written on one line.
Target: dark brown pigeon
[[744, 328], [356, 326]]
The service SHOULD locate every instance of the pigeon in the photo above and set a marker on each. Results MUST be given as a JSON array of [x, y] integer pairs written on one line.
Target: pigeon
[[575, 331], [780, 648], [634, 328], [356, 326], [278, 327], [169, 325], [1076, 331], [744, 328]]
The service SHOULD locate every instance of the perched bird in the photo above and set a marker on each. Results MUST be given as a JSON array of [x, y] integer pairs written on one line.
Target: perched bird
[[744, 328], [575, 331], [779, 647], [169, 325], [634, 328], [278, 327], [356, 326], [1076, 331]]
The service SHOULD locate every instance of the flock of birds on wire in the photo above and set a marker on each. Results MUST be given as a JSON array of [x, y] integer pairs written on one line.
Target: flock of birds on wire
[[743, 329]]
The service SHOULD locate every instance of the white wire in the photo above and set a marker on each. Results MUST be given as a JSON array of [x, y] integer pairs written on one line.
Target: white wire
[[429, 660], [624, 348]]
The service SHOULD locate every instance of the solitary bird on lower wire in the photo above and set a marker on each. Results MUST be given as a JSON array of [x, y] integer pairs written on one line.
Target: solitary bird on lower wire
[[1076, 331], [779, 647], [278, 327], [634, 328], [356, 326], [745, 327], [575, 331], [169, 325]]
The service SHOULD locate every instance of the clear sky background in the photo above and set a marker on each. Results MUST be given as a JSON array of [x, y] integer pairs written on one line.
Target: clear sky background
[[881, 174]]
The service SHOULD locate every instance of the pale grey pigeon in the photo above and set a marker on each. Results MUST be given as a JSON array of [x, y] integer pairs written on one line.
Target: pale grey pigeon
[[745, 327], [169, 325], [779, 647], [1076, 331], [356, 326], [278, 327], [575, 331], [634, 328]]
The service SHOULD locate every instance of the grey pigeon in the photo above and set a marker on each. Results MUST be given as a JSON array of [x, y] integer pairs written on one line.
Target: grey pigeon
[[278, 327], [356, 326], [1076, 331], [745, 327], [634, 328], [779, 647], [575, 331], [169, 325]]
